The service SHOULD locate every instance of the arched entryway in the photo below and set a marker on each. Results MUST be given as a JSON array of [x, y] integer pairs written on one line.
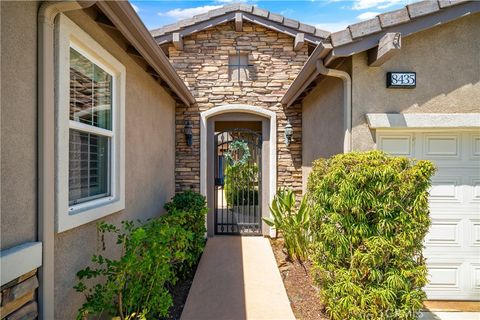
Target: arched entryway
[[255, 127]]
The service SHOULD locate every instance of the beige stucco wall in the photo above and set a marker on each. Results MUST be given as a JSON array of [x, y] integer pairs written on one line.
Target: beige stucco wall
[[149, 169], [18, 212], [447, 62], [322, 123]]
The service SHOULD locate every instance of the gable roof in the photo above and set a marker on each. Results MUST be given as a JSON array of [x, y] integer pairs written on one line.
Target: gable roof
[[366, 35], [249, 13], [410, 19]]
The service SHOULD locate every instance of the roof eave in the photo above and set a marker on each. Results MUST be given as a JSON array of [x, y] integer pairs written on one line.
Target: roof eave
[[434, 19], [132, 28], [213, 18], [303, 79]]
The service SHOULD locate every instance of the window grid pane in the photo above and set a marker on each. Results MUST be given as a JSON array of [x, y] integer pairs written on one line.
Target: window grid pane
[[238, 67], [88, 166], [90, 92]]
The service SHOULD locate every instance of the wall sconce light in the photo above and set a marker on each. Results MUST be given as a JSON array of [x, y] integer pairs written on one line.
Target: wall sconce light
[[288, 133], [187, 129]]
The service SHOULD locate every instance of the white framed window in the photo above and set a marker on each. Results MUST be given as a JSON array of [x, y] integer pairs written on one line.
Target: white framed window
[[90, 124]]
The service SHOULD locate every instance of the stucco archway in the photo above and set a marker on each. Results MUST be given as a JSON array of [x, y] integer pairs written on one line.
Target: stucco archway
[[272, 145]]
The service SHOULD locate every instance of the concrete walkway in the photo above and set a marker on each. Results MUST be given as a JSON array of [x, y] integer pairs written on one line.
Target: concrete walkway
[[439, 315], [237, 279]]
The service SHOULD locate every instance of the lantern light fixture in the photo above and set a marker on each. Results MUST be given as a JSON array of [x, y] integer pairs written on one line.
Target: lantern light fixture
[[187, 129], [288, 133]]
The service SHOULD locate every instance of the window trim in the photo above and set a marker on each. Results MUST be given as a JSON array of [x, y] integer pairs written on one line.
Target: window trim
[[69, 35]]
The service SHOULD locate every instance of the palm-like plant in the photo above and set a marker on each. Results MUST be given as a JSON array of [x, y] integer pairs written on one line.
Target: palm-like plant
[[292, 222]]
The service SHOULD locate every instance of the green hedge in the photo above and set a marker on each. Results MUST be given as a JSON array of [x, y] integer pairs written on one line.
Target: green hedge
[[370, 216], [154, 256]]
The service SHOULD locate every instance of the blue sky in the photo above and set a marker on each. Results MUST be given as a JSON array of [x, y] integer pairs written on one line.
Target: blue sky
[[330, 15]]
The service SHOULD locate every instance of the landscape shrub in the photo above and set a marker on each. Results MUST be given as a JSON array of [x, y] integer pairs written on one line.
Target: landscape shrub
[[189, 209], [241, 184], [241, 175], [369, 219], [189, 201], [154, 257], [292, 222]]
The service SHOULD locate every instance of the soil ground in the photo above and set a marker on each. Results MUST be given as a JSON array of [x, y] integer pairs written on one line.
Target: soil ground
[[301, 291], [179, 294]]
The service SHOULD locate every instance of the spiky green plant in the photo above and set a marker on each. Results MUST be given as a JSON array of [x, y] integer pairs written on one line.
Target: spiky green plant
[[370, 218], [292, 222]]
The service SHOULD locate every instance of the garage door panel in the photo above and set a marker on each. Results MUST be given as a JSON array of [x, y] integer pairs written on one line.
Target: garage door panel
[[475, 188], [400, 145], [452, 245], [442, 146], [475, 232], [444, 275], [475, 284], [444, 232], [475, 147], [446, 189]]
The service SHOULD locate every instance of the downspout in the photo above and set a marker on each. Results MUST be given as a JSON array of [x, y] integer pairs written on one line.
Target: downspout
[[46, 146], [347, 100]]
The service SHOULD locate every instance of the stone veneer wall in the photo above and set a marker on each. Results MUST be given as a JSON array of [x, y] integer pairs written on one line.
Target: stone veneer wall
[[18, 298], [203, 65]]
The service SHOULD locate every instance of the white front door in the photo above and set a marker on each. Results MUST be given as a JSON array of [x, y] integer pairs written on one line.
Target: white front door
[[452, 246]]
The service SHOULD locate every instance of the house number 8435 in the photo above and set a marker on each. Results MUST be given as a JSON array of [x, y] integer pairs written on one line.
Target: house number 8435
[[401, 79]]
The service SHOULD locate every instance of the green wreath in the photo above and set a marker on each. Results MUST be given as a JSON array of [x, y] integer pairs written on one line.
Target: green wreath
[[236, 146]]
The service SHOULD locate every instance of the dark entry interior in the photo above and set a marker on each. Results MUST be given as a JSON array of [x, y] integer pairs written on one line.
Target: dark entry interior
[[238, 177]]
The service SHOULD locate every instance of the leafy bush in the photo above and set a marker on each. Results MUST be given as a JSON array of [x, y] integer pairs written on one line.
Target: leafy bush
[[189, 201], [189, 209], [242, 197], [370, 217], [240, 181], [241, 175], [293, 223], [154, 256]]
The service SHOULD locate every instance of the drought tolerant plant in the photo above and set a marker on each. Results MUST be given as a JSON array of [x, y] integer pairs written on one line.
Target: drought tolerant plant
[[370, 218], [292, 222], [153, 257]]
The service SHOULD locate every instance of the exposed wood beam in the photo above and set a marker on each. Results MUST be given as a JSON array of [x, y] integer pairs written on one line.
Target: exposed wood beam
[[329, 59], [133, 52], [299, 41], [104, 21], [387, 47], [238, 22], [177, 41], [152, 72]]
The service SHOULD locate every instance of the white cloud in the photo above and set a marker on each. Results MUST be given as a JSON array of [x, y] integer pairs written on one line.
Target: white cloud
[[380, 4], [333, 26], [136, 8], [367, 15], [186, 13]]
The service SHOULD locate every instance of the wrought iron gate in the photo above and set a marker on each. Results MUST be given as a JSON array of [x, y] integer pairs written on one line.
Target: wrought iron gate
[[238, 181]]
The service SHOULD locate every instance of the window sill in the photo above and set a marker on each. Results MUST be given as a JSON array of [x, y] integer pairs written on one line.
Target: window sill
[[83, 213]]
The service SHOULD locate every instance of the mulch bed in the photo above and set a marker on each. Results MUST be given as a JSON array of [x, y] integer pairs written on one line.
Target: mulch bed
[[179, 294], [301, 291]]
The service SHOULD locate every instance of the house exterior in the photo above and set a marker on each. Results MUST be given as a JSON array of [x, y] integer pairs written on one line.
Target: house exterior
[[103, 119], [43, 241]]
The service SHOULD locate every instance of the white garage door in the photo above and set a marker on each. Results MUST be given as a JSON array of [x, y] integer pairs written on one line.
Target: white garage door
[[453, 242]]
